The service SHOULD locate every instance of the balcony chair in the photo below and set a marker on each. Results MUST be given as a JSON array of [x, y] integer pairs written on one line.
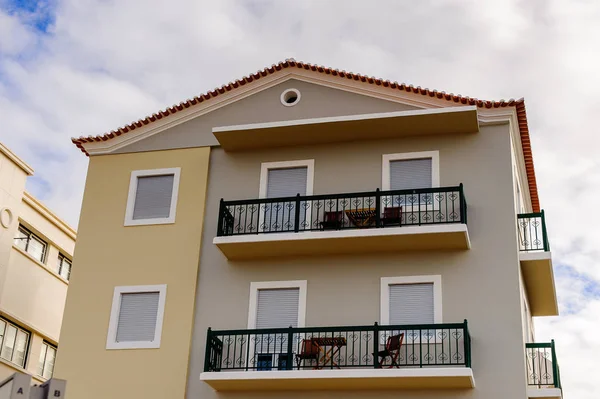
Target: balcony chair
[[392, 350], [309, 350], [392, 215], [332, 220]]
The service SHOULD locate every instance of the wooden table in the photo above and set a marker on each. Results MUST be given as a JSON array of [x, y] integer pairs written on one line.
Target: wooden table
[[363, 217], [327, 356]]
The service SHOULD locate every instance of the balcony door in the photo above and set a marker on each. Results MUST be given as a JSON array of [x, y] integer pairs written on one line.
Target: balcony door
[[285, 180]]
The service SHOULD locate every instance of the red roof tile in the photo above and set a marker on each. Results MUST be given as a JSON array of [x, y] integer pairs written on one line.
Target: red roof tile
[[291, 63]]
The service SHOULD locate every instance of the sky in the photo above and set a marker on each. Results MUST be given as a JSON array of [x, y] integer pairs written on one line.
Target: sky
[[81, 67]]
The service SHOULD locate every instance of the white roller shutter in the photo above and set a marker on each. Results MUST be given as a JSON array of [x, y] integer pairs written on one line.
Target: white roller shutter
[[153, 197], [410, 174], [137, 317], [411, 304], [277, 308], [286, 182]]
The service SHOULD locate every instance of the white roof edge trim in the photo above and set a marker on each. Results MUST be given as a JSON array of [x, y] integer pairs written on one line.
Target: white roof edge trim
[[345, 118]]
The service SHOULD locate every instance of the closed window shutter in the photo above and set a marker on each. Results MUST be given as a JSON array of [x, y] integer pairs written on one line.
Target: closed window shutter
[[153, 197], [286, 182], [277, 308], [410, 174], [411, 304], [137, 317]]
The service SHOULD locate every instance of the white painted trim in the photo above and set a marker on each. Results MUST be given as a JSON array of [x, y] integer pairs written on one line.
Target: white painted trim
[[344, 118], [266, 166], [436, 279], [387, 158], [441, 372], [544, 393], [111, 342], [535, 256], [265, 285], [129, 221], [285, 92], [320, 235]]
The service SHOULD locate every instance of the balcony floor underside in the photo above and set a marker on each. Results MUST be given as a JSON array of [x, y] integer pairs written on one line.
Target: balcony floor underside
[[368, 379], [442, 236]]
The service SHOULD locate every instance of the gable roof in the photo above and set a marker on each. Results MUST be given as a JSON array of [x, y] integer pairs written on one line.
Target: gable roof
[[291, 64]]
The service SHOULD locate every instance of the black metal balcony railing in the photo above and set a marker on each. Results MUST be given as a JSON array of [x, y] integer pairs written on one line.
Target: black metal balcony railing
[[311, 348], [532, 232], [343, 211], [542, 365]]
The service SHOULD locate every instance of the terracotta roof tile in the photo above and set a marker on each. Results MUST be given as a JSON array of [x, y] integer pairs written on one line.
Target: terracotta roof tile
[[291, 63]]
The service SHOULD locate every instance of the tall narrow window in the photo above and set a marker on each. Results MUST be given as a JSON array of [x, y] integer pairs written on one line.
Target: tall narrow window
[[152, 197], [47, 358], [136, 317], [14, 343], [277, 308], [30, 243], [64, 267]]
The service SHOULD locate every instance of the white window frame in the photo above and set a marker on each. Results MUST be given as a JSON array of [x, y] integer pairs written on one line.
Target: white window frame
[[388, 158], [111, 342], [133, 183], [266, 166], [384, 316], [266, 285]]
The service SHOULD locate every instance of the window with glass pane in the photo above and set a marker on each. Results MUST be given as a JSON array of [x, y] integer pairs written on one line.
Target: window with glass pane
[[47, 358], [14, 343], [64, 267], [30, 243]]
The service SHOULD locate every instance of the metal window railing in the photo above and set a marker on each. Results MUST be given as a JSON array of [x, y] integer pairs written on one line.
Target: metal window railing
[[542, 365], [532, 232], [373, 209], [314, 348]]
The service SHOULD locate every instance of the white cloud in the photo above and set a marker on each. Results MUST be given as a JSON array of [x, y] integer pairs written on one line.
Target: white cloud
[[103, 64]]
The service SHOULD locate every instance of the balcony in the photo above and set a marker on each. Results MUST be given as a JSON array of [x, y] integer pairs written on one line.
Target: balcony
[[375, 221], [536, 263], [543, 373], [327, 358]]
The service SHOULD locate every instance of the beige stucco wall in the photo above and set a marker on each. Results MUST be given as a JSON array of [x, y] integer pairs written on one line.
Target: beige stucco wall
[[108, 255], [480, 284]]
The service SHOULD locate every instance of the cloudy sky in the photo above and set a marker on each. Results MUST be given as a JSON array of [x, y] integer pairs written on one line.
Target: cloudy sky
[[73, 67]]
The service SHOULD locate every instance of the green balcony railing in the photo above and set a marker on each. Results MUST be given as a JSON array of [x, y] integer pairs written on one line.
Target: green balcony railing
[[532, 232], [542, 365], [354, 347]]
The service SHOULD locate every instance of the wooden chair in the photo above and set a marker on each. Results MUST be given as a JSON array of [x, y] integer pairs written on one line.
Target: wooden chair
[[332, 220], [392, 350], [391, 215], [309, 350]]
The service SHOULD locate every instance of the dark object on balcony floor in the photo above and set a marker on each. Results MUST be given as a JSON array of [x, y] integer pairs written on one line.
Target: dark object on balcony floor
[[332, 220], [392, 350], [392, 216]]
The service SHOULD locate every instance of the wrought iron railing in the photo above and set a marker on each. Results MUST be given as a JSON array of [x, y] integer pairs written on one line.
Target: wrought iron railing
[[314, 348], [542, 365], [371, 209], [532, 232]]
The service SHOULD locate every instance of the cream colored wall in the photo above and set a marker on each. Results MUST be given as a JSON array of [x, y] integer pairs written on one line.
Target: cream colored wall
[[108, 255]]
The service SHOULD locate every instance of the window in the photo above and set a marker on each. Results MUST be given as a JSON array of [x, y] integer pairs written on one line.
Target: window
[[47, 358], [64, 267], [411, 300], [31, 244], [152, 197], [14, 343], [136, 317], [411, 170], [277, 304]]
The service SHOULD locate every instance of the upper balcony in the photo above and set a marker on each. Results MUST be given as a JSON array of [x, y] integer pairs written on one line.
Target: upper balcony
[[375, 221], [432, 356], [543, 373], [536, 263]]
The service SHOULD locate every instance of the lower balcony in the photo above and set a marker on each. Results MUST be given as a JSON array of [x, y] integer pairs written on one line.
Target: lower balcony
[[536, 263], [340, 358], [376, 221], [543, 373]]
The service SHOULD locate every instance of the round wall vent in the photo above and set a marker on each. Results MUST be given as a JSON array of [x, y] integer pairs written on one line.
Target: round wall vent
[[290, 97]]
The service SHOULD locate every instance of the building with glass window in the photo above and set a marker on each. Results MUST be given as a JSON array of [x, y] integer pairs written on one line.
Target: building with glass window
[[308, 231], [36, 249]]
